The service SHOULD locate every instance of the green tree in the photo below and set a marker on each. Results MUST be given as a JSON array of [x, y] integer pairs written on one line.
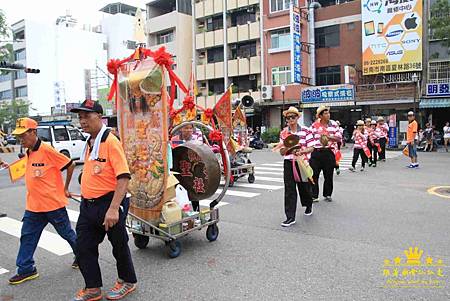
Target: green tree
[[11, 111], [4, 30], [440, 21]]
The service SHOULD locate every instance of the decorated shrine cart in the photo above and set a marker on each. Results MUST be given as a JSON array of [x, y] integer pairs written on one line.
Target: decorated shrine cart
[[166, 178]]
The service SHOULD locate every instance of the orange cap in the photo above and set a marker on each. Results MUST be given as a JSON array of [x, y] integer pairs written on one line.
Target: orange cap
[[23, 125]]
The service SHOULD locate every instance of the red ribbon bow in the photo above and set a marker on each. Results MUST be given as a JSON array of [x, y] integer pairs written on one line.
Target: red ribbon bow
[[215, 136]]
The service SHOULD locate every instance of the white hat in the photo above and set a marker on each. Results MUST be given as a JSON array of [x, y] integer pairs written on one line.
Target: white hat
[[410, 113]]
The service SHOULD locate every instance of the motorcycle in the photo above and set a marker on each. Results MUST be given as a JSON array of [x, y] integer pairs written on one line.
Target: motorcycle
[[256, 143]]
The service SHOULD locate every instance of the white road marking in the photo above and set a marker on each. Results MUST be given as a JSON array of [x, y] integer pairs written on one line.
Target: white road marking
[[278, 180], [49, 241], [267, 173], [258, 186], [239, 193], [267, 168], [273, 164], [205, 203], [73, 215], [3, 271]]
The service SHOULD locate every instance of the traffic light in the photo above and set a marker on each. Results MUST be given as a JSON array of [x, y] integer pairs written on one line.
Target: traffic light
[[31, 70]]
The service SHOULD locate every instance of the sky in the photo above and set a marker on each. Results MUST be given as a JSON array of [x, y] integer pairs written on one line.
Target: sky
[[47, 11]]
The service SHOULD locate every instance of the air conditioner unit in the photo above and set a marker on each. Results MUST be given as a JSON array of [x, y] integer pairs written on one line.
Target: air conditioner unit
[[252, 77], [266, 92]]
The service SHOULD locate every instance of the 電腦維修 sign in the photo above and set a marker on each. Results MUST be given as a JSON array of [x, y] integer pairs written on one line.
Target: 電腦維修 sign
[[328, 93]]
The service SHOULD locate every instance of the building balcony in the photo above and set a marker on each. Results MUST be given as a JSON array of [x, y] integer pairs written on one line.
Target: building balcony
[[171, 47], [218, 6], [232, 34], [240, 33], [209, 39], [200, 9], [255, 64], [19, 45], [201, 72], [237, 67], [163, 22], [385, 92], [232, 4], [208, 8]]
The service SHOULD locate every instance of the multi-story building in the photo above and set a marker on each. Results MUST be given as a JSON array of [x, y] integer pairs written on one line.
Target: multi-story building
[[243, 49], [63, 53], [169, 24], [331, 37], [435, 102]]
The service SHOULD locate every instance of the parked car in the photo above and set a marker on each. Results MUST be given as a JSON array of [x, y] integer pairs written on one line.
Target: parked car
[[67, 139], [11, 140]]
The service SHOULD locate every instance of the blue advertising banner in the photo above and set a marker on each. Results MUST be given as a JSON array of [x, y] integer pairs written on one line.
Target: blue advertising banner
[[438, 89], [343, 92], [296, 53], [392, 137]]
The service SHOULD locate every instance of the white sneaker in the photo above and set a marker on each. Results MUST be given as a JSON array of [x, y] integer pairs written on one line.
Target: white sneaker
[[352, 169]]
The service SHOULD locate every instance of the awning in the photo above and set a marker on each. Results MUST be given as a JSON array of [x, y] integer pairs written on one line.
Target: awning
[[431, 103]]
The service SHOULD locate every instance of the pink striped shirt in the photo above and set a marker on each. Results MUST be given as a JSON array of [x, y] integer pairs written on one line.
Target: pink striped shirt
[[384, 130], [359, 144], [303, 132], [331, 129]]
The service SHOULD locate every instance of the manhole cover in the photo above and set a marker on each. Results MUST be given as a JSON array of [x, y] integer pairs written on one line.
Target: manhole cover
[[440, 191]]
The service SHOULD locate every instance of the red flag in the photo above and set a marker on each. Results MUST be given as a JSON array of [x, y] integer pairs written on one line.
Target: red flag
[[222, 110], [239, 117]]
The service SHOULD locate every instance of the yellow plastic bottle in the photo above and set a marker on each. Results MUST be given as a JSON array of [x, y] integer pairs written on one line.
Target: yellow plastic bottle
[[171, 212]]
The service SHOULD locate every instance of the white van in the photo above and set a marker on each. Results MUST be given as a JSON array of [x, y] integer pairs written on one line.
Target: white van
[[66, 139]]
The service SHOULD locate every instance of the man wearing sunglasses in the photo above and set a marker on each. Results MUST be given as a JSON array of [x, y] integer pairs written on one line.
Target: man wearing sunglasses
[[290, 184]]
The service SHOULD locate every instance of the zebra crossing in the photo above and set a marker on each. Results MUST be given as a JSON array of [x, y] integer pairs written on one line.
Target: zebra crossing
[[268, 177]]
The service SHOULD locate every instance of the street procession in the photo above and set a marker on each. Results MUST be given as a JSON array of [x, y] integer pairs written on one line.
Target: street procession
[[214, 171]]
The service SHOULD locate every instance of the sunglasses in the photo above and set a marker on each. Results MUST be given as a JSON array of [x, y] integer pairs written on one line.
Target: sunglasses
[[289, 117]]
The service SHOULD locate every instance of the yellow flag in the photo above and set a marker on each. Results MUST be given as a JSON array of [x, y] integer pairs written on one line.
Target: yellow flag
[[17, 169]]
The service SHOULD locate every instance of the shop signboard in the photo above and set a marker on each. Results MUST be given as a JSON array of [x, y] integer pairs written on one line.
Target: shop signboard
[[296, 53], [391, 36], [333, 93], [439, 90]]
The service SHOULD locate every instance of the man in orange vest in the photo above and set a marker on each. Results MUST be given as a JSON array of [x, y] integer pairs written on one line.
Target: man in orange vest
[[411, 139]]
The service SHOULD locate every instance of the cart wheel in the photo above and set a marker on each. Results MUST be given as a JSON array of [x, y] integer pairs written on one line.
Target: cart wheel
[[231, 183], [251, 178], [212, 232], [174, 249], [140, 241]]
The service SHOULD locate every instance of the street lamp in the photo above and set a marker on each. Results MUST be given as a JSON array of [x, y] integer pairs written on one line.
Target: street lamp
[[283, 89], [415, 79]]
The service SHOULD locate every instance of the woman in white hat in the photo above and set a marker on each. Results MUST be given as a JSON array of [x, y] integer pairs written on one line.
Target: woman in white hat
[[360, 146], [326, 135], [290, 185], [384, 131]]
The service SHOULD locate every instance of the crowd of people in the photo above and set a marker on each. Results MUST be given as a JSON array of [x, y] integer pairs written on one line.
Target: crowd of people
[[320, 146]]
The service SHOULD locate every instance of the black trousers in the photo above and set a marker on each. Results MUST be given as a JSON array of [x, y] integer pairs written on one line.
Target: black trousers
[[383, 148], [290, 191], [374, 152], [323, 160], [91, 232], [356, 153]]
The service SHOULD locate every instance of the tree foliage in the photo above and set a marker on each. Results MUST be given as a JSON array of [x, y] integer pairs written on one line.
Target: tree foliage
[[11, 111], [4, 30], [440, 21]]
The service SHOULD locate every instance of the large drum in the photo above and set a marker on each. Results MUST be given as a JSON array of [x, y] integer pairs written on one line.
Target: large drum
[[198, 168]]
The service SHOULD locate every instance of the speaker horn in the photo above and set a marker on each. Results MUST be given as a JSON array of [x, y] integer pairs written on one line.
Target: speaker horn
[[247, 101]]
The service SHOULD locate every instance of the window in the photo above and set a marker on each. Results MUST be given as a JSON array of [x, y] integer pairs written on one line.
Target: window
[[21, 91], [214, 23], [44, 134], [244, 83], [20, 35], [439, 72], [242, 17], [5, 77], [19, 55], [6, 94], [216, 86], [279, 5], [327, 36], [280, 39], [61, 134], [75, 134], [20, 74], [281, 75], [164, 38], [215, 55], [325, 3], [328, 75], [245, 50]]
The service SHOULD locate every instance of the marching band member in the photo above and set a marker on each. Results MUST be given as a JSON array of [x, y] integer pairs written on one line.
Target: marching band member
[[339, 144], [384, 137], [360, 146], [325, 133], [374, 136], [290, 185]]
